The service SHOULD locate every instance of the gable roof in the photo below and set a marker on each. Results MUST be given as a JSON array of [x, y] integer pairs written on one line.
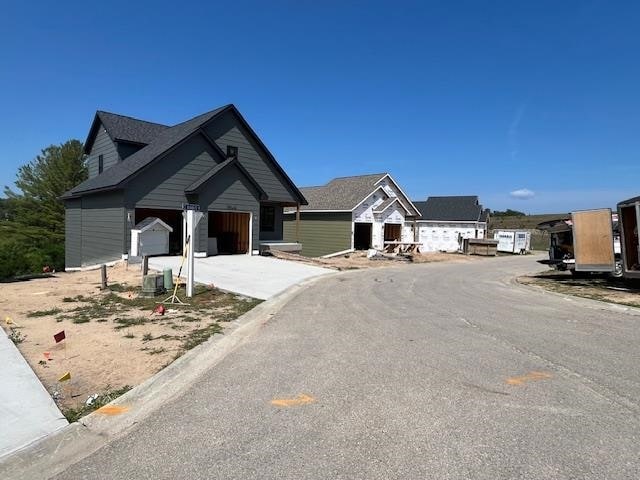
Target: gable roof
[[346, 193], [195, 186], [453, 208], [166, 140], [149, 222], [387, 203], [121, 128]]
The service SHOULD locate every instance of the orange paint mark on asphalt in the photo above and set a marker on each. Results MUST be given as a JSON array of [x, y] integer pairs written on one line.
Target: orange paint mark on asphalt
[[529, 377], [112, 410], [301, 399]]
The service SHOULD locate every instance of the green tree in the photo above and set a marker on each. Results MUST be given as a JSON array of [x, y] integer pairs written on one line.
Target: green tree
[[37, 209], [508, 213], [32, 220]]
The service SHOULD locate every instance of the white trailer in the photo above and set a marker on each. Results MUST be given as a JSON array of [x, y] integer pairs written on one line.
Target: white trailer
[[513, 241]]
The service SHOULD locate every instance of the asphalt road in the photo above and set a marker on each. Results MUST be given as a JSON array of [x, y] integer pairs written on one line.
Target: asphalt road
[[446, 371]]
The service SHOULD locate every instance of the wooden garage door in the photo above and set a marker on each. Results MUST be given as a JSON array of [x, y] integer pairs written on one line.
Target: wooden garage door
[[232, 231]]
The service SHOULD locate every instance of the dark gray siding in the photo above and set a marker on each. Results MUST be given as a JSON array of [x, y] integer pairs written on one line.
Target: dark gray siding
[[277, 233], [229, 191], [320, 233], [105, 147], [103, 228], [73, 233], [228, 131], [127, 149], [162, 184]]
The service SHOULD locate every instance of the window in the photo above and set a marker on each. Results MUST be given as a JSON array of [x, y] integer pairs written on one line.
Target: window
[[267, 218], [232, 152], [100, 163]]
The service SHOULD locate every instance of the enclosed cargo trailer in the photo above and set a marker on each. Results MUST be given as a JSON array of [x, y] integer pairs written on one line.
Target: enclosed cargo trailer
[[629, 219], [587, 242], [513, 241]]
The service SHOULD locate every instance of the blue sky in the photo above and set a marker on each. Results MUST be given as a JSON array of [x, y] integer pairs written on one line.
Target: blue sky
[[488, 98]]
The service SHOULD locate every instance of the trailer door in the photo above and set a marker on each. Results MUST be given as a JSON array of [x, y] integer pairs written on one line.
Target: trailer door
[[593, 240]]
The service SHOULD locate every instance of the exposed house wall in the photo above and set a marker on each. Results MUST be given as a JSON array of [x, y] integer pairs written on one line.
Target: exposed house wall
[[277, 232], [394, 214], [103, 145], [73, 233], [227, 130], [103, 228], [320, 233], [127, 149], [162, 184], [443, 236], [229, 191]]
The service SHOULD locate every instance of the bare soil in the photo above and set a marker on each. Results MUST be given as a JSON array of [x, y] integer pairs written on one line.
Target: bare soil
[[113, 338], [596, 287], [359, 260]]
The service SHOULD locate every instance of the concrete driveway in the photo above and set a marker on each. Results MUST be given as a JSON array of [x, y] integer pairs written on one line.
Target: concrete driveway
[[251, 275]]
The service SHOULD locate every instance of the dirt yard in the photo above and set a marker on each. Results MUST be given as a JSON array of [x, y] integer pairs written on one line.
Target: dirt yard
[[602, 288], [359, 260], [113, 338]]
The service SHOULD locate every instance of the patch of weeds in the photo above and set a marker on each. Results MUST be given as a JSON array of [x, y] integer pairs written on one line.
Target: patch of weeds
[[16, 336], [156, 351], [200, 335], [81, 319], [44, 313], [166, 336], [102, 320], [59, 319], [75, 414], [147, 337], [189, 318], [129, 335], [68, 299], [43, 363], [129, 322], [178, 327], [121, 287]]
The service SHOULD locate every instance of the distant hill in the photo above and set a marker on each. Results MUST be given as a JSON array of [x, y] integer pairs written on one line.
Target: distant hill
[[526, 221]]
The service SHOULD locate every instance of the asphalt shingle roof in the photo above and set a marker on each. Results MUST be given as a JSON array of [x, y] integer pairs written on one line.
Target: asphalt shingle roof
[[454, 208], [343, 193], [121, 171], [631, 200], [128, 129]]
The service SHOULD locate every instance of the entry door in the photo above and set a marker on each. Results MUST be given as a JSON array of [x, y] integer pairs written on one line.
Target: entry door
[[362, 236]]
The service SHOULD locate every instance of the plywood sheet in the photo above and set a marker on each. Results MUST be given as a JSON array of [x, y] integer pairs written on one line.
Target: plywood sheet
[[593, 240]]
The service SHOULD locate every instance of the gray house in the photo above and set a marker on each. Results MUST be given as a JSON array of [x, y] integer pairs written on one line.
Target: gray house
[[140, 169]]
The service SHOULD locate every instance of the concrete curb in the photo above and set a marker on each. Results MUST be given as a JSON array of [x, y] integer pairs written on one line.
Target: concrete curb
[[587, 302], [55, 453]]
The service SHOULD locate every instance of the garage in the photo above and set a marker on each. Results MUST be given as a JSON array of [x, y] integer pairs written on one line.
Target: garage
[[229, 233]]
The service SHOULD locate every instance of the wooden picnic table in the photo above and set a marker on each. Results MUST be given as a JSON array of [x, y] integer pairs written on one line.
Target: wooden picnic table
[[401, 247]]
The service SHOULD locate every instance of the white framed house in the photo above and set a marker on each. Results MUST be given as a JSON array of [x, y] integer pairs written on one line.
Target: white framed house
[[348, 213], [446, 221]]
